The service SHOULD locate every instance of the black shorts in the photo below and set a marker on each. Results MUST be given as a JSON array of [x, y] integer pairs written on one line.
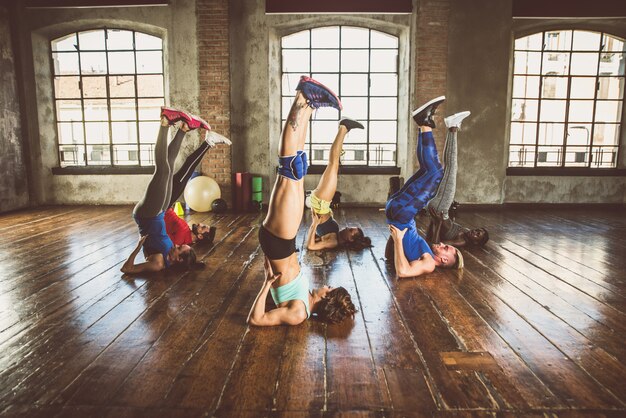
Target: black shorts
[[275, 248]]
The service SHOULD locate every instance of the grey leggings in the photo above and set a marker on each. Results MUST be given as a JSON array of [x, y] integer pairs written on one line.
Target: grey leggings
[[159, 191], [447, 188]]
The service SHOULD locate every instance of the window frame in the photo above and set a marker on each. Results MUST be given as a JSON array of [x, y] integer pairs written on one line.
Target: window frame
[[349, 168], [590, 169], [110, 168]]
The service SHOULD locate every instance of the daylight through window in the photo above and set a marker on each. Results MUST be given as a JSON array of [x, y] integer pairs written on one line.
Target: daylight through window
[[568, 93], [108, 89], [361, 66]]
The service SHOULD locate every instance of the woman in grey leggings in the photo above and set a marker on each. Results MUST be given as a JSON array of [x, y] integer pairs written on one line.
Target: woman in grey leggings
[[158, 248], [442, 228]]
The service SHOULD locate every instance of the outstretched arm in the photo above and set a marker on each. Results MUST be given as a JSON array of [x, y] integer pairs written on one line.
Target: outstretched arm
[[154, 264]]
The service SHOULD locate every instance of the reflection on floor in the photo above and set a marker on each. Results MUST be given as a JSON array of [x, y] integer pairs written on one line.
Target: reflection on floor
[[535, 323]]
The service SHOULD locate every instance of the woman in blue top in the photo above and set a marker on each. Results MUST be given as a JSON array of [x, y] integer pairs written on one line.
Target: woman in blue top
[[411, 254], [277, 235], [159, 250], [324, 232]]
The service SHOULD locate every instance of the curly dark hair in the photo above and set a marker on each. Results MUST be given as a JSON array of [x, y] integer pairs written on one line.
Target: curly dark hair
[[359, 242], [335, 306], [483, 240]]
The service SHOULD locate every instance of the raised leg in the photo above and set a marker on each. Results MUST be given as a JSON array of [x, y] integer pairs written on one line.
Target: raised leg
[[287, 200], [172, 152], [182, 176], [420, 187], [447, 188], [155, 196], [327, 185]]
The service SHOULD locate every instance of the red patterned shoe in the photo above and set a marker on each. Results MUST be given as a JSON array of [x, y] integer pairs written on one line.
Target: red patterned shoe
[[197, 122], [174, 115]]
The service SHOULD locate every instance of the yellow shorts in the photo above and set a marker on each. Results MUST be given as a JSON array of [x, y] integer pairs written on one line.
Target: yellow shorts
[[320, 206]]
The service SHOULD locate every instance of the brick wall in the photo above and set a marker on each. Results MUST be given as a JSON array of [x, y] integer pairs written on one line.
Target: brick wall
[[431, 57], [214, 79]]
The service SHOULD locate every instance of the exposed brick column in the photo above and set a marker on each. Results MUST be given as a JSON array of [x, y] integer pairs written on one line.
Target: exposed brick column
[[432, 56], [214, 79]]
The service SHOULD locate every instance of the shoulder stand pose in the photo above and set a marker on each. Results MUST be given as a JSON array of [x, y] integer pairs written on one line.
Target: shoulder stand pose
[[277, 235], [324, 232], [442, 228], [177, 229], [159, 250], [411, 254]]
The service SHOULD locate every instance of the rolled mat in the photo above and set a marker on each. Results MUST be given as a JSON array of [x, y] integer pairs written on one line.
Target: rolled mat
[[257, 184]]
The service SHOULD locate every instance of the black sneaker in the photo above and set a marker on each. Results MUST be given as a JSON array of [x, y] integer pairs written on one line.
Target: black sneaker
[[350, 123], [423, 115]]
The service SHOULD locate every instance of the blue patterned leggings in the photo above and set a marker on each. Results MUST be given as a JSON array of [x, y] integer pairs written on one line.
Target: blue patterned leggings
[[403, 205]]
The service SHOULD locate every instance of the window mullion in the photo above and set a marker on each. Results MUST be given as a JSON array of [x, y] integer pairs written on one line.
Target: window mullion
[[567, 103], [108, 90], [595, 101], [82, 100], [310, 122], [137, 135], [543, 47]]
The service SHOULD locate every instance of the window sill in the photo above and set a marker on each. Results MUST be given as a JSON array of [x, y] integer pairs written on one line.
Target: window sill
[[567, 171], [102, 170], [347, 170]]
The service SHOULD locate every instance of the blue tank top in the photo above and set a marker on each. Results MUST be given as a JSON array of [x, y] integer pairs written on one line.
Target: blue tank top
[[297, 289], [327, 227], [157, 242], [414, 245]]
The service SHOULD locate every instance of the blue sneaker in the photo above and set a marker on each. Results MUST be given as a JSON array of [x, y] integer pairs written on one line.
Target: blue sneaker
[[317, 94]]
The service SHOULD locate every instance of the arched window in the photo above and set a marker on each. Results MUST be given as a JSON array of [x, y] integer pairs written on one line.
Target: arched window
[[361, 66], [568, 93], [108, 88]]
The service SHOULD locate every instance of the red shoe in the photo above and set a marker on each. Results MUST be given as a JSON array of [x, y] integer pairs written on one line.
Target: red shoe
[[197, 122], [173, 116]]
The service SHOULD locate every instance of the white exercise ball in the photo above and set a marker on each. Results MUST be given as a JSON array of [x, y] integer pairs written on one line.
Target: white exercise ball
[[200, 193]]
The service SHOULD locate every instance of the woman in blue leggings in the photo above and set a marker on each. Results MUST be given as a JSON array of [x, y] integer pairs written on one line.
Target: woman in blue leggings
[[412, 256]]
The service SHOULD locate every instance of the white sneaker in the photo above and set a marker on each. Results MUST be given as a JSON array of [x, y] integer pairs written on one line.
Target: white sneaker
[[454, 121], [213, 138]]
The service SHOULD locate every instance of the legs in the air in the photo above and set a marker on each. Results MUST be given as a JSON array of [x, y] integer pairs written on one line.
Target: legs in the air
[[403, 205], [327, 185], [182, 176], [158, 192], [447, 188], [287, 199]]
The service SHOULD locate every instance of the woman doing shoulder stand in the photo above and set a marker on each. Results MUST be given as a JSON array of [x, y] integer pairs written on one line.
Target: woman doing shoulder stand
[[277, 234]]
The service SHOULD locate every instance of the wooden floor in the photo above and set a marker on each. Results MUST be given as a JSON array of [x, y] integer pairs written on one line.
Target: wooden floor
[[534, 325]]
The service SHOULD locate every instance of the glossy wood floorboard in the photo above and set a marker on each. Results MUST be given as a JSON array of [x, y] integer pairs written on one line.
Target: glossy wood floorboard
[[535, 325]]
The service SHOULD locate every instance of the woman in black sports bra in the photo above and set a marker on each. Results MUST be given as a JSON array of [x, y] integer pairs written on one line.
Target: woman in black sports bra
[[324, 232], [277, 235]]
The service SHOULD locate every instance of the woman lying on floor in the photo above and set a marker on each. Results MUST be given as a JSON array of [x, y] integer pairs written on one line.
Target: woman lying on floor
[[324, 232], [159, 250]]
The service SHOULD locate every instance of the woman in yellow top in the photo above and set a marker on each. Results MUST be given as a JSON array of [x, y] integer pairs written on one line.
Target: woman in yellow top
[[324, 232]]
